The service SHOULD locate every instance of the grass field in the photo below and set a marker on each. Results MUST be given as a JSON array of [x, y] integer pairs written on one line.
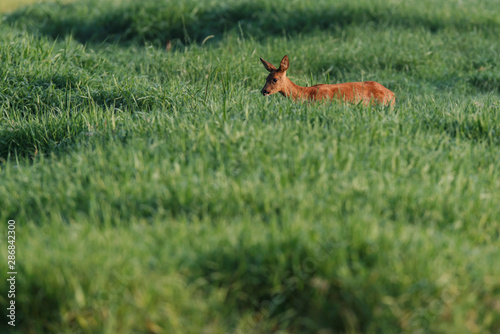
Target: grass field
[[156, 191]]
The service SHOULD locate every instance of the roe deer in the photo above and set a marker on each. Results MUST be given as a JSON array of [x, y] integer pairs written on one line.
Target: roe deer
[[366, 92]]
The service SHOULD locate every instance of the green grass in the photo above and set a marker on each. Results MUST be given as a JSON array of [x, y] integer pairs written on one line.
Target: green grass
[[157, 191]]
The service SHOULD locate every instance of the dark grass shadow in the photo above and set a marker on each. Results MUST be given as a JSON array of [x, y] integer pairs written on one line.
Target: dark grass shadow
[[471, 130], [480, 129], [153, 21], [61, 99], [35, 94], [294, 287], [42, 305], [486, 80]]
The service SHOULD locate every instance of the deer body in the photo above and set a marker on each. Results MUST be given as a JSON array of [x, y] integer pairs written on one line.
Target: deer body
[[366, 92]]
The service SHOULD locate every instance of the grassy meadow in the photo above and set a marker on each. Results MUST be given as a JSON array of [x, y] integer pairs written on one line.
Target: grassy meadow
[[155, 190]]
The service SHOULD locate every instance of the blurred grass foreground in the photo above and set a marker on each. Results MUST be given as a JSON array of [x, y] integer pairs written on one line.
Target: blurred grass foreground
[[156, 191]]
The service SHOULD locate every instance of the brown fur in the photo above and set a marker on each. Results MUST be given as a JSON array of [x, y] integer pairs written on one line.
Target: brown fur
[[366, 92]]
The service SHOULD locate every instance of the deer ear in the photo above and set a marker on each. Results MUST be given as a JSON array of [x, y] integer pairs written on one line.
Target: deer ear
[[284, 64], [270, 67]]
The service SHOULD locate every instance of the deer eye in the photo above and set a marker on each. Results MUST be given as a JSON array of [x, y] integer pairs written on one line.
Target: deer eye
[[275, 80]]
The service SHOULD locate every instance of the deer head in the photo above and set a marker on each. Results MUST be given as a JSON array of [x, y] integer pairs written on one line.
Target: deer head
[[276, 80]]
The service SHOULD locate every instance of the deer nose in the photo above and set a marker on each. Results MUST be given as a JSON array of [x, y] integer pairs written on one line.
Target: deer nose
[[264, 92]]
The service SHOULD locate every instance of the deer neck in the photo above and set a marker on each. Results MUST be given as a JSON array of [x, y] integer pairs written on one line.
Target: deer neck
[[293, 90]]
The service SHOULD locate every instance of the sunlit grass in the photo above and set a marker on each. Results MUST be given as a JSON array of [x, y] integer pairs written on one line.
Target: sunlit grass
[[7, 6]]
